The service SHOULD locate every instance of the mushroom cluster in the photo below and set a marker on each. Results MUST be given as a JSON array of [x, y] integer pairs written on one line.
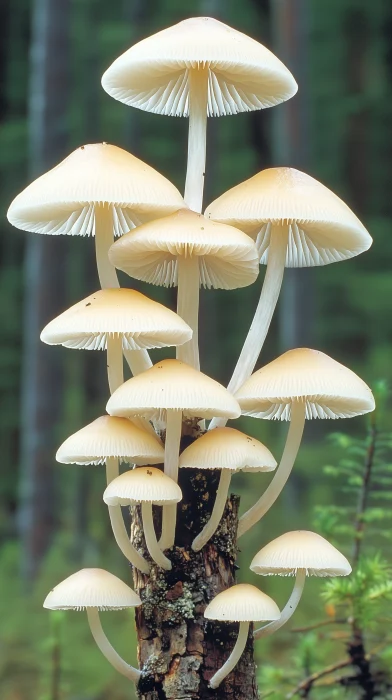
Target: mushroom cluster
[[279, 217]]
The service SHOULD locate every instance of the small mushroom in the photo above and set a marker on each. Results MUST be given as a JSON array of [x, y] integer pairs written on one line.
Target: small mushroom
[[242, 603], [117, 320], [109, 439], [189, 250], [174, 389], [296, 222], [230, 451], [94, 590], [148, 486], [299, 384], [196, 68], [300, 554]]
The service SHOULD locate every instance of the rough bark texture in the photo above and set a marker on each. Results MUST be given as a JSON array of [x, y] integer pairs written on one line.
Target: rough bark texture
[[179, 650]]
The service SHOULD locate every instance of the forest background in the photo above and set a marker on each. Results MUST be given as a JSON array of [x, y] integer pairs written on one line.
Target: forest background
[[338, 129]]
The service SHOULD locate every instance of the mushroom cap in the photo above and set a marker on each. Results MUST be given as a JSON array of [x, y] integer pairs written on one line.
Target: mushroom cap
[[109, 436], [91, 588], [329, 389], [228, 258], [244, 75], [63, 199], [172, 384], [242, 603], [322, 228], [142, 323], [142, 485], [300, 550], [227, 448]]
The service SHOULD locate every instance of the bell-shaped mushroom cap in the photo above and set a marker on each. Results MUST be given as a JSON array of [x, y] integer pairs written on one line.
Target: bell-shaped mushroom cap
[[142, 485], [172, 384], [109, 436], [153, 75], [300, 550], [228, 258], [141, 322], [329, 389], [322, 228], [91, 588], [242, 603], [63, 199], [227, 448]]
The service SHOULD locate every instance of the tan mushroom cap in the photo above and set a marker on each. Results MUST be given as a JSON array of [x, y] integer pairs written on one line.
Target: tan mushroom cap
[[62, 200], [228, 258], [227, 448], [153, 75], [329, 389], [172, 384], [109, 436], [322, 227], [91, 588], [141, 322], [142, 485], [300, 550], [242, 603]]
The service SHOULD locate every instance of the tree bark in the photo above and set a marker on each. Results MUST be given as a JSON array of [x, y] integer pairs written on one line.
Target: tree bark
[[44, 288], [179, 650]]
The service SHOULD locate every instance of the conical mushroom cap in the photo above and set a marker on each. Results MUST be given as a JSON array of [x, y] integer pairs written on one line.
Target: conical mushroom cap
[[227, 448], [109, 436], [322, 227], [141, 322], [329, 389], [63, 199], [142, 485], [228, 258], [153, 75], [300, 550], [242, 603], [91, 588], [172, 384]]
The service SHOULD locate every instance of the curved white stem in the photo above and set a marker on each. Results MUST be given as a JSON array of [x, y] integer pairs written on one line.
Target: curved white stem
[[138, 360], [288, 610], [188, 307], [265, 309], [115, 362], [103, 240], [293, 441], [123, 541], [197, 137], [151, 538], [220, 501], [107, 650], [172, 451], [234, 657], [112, 470]]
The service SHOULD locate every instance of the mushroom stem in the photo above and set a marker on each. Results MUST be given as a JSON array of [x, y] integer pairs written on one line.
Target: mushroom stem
[[265, 309], [151, 538], [198, 99], [172, 450], [138, 360], [103, 240], [112, 469], [234, 657], [122, 539], [188, 307], [115, 362], [288, 610], [220, 501], [106, 648], [293, 441]]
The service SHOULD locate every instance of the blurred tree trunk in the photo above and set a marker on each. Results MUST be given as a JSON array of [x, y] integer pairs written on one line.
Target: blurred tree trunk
[[291, 148], [44, 286]]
